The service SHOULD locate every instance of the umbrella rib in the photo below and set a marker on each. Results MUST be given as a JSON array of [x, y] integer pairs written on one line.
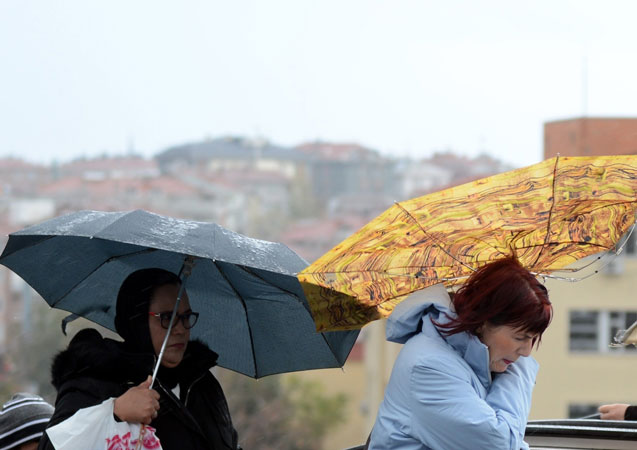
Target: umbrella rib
[[548, 221], [27, 246], [245, 308], [247, 270], [547, 244], [432, 238], [254, 274]]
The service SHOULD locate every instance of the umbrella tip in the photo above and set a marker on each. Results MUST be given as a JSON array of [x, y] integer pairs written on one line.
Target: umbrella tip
[[67, 320]]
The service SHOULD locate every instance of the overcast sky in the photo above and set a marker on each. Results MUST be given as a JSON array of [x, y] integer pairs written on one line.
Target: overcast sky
[[79, 78]]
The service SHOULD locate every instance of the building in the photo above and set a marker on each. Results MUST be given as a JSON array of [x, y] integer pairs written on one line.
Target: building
[[231, 153], [579, 368], [348, 169], [590, 136]]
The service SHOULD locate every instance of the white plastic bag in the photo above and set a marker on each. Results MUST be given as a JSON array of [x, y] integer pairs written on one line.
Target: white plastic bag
[[96, 428]]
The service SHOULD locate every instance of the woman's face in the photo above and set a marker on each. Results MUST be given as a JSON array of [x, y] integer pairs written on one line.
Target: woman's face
[[163, 301], [506, 344]]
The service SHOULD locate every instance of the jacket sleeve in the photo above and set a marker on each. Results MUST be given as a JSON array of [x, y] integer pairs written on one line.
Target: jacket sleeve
[[448, 412], [631, 413]]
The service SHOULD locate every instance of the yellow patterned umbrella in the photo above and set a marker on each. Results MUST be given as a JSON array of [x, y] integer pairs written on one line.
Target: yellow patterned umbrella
[[549, 215]]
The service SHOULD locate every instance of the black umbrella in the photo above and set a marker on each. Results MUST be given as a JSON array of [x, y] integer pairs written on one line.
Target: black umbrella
[[252, 308]]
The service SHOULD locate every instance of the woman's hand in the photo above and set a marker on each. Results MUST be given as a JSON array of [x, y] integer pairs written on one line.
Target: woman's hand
[[613, 412], [138, 404]]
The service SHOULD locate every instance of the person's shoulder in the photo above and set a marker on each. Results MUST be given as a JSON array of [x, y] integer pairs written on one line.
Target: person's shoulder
[[433, 342], [427, 350], [86, 342], [91, 355], [436, 353]]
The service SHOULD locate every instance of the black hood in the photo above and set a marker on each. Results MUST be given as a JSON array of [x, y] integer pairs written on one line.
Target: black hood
[[133, 300]]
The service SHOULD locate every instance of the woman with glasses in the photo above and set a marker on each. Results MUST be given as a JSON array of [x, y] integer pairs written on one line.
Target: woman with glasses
[[186, 405]]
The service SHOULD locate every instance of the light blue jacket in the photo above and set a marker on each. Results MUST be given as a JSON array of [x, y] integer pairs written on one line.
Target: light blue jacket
[[441, 395]]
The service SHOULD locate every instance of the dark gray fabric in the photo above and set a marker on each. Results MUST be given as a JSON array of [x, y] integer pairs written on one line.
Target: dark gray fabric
[[23, 419], [253, 312], [631, 413]]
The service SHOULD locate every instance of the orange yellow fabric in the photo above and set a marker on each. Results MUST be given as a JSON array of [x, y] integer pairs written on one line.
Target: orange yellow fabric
[[549, 215]]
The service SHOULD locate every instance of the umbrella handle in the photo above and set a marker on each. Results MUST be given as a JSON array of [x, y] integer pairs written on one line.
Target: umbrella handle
[[184, 273], [140, 440]]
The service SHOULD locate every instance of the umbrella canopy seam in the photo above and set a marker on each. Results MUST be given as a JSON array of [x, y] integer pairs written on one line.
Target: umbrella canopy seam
[[245, 309], [417, 222], [550, 214], [290, 293]]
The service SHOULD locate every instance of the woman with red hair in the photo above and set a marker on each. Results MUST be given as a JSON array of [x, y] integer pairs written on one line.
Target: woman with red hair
[[464, 378]]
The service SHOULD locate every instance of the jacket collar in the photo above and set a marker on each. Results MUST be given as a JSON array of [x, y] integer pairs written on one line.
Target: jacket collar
[[469, 346], [414, 315]]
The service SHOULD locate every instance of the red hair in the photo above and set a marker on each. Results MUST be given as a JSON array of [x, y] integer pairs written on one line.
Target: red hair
[[501, 293]]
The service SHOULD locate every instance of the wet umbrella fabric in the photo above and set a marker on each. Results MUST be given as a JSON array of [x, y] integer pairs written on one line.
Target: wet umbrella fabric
[[251, 305], [550, 215]]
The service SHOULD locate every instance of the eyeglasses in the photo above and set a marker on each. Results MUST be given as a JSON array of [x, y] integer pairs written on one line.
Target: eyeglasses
[[188, 320]]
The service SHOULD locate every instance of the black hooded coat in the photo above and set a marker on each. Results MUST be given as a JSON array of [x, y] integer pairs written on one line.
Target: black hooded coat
[[93, 369]]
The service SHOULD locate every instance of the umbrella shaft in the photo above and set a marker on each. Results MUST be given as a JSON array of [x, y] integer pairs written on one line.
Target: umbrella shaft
[[185, 272]]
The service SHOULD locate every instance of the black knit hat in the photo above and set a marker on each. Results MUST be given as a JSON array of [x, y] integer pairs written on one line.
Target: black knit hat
[[23, 419]]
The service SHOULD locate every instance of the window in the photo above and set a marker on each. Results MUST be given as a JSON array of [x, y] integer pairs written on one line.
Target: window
[[583, 333], [593, 331]]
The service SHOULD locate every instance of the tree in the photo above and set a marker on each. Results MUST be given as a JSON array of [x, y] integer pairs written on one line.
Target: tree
[[30, 352], [282, 412]]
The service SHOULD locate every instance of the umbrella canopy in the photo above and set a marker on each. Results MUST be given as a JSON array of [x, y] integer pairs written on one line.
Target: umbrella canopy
[[251, 305], [549, 215]]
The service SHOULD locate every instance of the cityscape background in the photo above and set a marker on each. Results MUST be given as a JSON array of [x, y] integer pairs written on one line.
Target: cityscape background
[[311, 197], [298, 121]]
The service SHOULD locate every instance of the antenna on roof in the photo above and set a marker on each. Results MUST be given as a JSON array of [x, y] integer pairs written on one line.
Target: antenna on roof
[[584, 85]]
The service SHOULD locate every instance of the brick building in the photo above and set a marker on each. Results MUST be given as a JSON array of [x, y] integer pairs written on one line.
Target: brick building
[[590, 136]]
